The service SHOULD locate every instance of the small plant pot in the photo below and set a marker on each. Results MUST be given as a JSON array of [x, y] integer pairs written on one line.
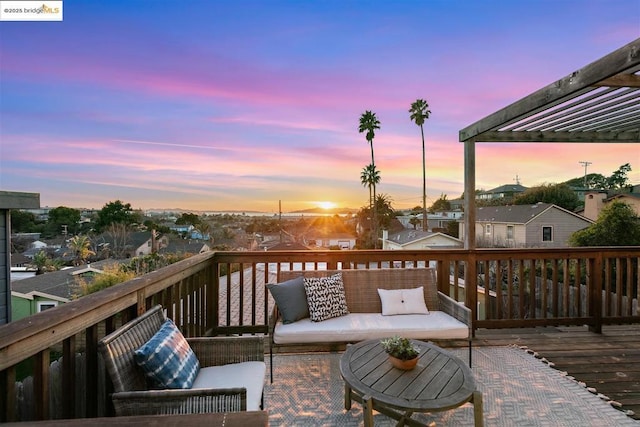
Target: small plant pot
[[405, 365]]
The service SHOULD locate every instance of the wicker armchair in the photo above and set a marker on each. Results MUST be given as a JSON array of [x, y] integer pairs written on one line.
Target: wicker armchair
[[133, 397]]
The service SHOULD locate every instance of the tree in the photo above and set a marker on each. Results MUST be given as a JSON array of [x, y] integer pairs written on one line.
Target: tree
[[189, 219], [22, 221], [385, 214], [619, 180], [205, 230], [559, 194], [119, 236], [63, 220], [417, 210], [419, 113], [442, 204], [370, 177], [44, 263], [617, 225], [80, 247], [384, 211], [369, 123], [415, 221], [453, 229], [152, 225], [115, 213]]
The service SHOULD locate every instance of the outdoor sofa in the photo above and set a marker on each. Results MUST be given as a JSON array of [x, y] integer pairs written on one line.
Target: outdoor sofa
[[363, 304]]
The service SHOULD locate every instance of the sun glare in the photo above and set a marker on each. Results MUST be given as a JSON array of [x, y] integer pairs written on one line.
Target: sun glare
[[326, 205]]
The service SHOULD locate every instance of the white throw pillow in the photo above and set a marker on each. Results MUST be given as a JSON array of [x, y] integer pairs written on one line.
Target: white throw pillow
[[402, 301]]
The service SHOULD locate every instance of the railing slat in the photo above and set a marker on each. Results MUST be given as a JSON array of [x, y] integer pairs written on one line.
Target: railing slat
[[41, 385], [69, 377]]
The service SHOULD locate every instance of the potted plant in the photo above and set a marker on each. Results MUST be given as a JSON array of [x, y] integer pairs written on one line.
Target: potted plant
[[402, 353]]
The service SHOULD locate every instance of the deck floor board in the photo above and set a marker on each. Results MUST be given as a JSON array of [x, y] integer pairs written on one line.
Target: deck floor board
[[608, 362]]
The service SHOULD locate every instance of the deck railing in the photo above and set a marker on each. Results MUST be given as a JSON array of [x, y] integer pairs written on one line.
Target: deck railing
[[219, 293]]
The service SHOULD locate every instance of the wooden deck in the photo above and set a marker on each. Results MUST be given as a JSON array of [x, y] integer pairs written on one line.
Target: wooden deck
[[608, 362]]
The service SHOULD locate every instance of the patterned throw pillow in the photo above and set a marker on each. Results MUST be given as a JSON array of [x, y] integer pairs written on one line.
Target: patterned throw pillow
[[325, 296], [167, 359]]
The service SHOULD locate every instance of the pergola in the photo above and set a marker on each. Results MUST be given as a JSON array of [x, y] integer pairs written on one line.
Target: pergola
[[599, 103]]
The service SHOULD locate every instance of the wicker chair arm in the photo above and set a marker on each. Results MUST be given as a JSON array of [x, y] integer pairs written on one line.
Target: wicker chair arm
[[454, 309], [180, 401], [215, 351]]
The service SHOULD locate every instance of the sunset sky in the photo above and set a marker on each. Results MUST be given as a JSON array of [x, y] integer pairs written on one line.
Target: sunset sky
[[235, 105]]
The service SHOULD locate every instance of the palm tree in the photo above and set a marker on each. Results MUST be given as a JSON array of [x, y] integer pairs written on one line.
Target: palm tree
[[419, 113], [385, 210], [369, 177], [80, 247], [40, 261], [364, 180], [369, 123]]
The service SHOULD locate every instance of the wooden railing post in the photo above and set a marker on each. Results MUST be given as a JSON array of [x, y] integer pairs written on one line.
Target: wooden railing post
[[471, 287], [443, 277], [594, 279]]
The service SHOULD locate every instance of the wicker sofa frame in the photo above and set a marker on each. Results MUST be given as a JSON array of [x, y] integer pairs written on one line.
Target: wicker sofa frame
[[131, 395], [362, 297]]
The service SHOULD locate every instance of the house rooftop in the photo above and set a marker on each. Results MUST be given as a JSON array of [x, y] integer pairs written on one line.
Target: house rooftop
[[59, 283]]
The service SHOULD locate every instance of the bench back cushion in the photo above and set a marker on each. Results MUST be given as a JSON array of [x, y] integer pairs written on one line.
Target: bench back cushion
[[118, 349], [361, 286]]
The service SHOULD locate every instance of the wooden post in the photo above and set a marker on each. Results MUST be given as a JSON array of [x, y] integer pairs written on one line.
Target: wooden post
[[594, 281], [471, 288], [469, 195]]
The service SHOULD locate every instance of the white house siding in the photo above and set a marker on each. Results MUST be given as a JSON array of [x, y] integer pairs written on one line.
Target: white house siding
[[520, 234], [498, 236], [432, 242]]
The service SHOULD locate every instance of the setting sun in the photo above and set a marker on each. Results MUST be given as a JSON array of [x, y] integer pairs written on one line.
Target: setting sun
[[326, 205]]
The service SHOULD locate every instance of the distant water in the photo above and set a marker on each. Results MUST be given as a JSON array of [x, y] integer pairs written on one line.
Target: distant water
[[274, 214]]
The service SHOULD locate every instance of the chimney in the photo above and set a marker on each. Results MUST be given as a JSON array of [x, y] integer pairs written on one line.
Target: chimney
[[593, 204]]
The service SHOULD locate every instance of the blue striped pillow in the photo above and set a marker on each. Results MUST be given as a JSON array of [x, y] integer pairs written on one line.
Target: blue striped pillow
[[167, 359]]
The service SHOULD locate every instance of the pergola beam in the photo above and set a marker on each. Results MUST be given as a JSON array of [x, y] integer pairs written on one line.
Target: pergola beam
[[625, 60], [562, 137]]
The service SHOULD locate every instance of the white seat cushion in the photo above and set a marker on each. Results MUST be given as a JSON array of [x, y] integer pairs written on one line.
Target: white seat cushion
[[361, 326], [249, 375]]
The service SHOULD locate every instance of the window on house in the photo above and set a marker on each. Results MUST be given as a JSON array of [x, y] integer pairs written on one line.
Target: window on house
[[45, 305], [487, 229], [510, 232], [547, 234]]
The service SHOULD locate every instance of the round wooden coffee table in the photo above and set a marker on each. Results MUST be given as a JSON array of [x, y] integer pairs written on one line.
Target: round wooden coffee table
[[439, 382]]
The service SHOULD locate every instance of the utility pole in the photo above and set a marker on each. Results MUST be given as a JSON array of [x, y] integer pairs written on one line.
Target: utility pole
[[280, 218], [585, 164]]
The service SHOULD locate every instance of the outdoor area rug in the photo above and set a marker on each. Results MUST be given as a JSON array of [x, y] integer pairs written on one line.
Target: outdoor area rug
[[517, 389]]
